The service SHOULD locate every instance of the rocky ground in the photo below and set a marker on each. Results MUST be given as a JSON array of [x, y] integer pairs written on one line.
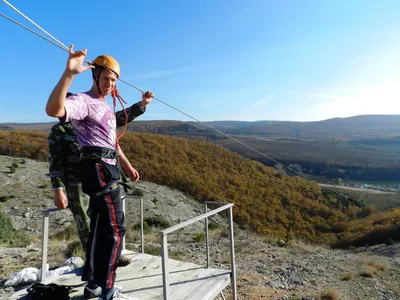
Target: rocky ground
[[264, 269]]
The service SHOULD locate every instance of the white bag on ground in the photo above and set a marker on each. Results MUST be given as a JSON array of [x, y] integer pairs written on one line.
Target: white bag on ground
[[26, 275], [75, 262]]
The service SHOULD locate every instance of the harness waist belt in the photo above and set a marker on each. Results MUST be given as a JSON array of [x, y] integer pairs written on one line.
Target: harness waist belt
[[93, 152]]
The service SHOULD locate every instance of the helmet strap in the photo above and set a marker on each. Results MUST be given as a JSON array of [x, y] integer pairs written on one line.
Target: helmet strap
[[97, 79]]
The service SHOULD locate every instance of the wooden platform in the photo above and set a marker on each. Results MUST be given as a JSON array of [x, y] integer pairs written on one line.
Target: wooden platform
[[143, 279]]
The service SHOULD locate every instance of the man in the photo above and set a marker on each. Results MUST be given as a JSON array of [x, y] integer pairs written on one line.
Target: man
[[64, 158], [95, 126]]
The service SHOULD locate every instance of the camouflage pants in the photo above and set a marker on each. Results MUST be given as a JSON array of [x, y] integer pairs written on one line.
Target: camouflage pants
[[78, 203]]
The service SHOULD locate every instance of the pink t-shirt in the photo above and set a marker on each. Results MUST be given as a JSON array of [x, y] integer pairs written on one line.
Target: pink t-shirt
[[93, 120]]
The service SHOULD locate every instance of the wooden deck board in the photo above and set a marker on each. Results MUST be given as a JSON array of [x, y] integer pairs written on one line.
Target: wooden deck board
[[143, 279]]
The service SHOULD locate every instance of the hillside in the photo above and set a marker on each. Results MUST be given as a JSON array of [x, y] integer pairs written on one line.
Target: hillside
[[267, 268], [266, 201], [361, 148], [325, 159]]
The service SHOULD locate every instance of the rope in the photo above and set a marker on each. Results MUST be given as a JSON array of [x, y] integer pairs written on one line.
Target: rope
[[115, 94], [34, 32], [62, 46]]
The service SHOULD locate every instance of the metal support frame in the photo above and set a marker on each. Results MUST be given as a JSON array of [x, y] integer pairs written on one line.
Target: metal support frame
[[45, 233], [141, 219], [45, 241], [164, 244]]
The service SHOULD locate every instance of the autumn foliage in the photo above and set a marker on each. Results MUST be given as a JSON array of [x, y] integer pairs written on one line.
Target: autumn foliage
[[265, 201]]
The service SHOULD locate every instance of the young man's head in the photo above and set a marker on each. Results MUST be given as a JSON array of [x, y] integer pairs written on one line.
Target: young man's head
[[105, 74]]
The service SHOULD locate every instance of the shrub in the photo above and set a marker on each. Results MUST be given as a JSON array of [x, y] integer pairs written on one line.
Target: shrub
[[9, 236], [328, 294], [4, 198], [157, 222], [199, 237], [137, 192], [213, 225], [368, 271], [146, 227], [347, 276]]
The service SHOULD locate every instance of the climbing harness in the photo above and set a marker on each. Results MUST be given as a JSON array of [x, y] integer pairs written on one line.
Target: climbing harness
[[93, 152]]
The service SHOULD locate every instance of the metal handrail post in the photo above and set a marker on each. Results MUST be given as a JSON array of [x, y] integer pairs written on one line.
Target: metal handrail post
[[123, 210], [45, 239], [164, 262], [141, 220], [207, 237], [233, 266], [141, 226]]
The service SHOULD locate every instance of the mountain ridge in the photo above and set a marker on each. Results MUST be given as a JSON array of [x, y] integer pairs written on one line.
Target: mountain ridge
[[354, 127]]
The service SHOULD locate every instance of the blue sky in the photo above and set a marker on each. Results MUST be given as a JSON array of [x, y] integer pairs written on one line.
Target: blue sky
[[215, 60]]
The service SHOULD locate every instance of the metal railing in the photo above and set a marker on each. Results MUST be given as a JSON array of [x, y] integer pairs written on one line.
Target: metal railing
[[45, 232], [164, 244]]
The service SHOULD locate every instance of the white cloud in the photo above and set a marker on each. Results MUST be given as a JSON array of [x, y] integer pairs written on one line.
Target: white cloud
[[379, 99]]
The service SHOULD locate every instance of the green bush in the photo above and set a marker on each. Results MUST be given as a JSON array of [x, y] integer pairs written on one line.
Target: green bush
[[137, 192], [146, 227], [4, 198], [157, 222], [213, 225], [199, 237], [9, 236]]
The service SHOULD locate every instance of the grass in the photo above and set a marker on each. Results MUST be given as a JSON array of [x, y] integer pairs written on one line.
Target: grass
[[44, 185], [371, 266], [368, 272], [347, 276], [152, 250], [9, 236], [74, 249], [199, 237], [328, 294], [65, 244], [68, 234], [178, 255], [375, 263]]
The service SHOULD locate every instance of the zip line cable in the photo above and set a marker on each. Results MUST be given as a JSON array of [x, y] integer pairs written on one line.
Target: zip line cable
[[34, 32], [65, 48], [14, 8]]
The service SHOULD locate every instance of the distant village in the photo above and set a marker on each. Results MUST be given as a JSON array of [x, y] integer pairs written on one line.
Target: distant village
[[394, 186]]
